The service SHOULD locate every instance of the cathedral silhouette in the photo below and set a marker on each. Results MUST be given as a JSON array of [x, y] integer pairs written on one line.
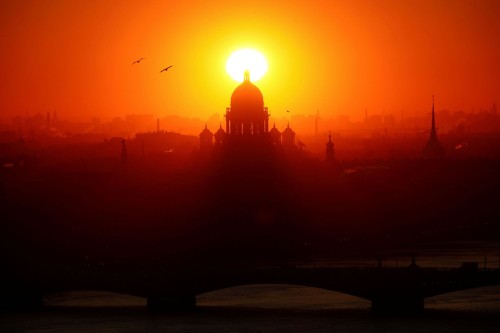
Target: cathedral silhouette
[[247, 124]]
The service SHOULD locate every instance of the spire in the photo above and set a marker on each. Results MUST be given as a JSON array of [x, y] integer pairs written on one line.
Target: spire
[[433, 148], [330, 152], [246, 76], [329, 144]]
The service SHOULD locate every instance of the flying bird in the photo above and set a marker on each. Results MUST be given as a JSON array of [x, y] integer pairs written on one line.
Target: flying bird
[[137, 61], [287, 111], [166, 69]]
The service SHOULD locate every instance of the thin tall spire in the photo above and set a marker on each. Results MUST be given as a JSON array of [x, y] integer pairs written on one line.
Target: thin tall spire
[[433, 148], [246, 75]]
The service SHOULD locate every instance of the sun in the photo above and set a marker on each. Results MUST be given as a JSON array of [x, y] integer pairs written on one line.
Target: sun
[[246, 59]]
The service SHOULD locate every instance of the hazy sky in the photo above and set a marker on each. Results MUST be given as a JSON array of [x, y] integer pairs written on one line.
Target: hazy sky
[[336, 56]]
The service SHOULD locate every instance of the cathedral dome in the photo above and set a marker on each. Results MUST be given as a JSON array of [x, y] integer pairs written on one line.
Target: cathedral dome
[[247, 99]]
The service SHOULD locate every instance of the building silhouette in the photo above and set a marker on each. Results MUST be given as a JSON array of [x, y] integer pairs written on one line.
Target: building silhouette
[[220, 136], [288, 137], [247, 115], [433, 148], [247, 123], [330, 152], [275, 136], [206, 139]]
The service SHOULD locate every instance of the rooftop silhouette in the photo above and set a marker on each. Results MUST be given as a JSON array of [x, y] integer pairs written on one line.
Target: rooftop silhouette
[[247, 125]]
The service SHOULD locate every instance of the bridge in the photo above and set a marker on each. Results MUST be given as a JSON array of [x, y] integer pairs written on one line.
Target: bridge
[[174, 287]]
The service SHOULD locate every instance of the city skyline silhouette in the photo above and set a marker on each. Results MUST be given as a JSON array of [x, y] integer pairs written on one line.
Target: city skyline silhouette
[[170, 151], [232, 202]]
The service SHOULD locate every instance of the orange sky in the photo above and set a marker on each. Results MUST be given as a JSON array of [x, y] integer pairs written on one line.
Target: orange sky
[[336, 56]]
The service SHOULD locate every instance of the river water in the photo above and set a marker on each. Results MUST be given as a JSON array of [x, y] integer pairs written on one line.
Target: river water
[[276, 308]]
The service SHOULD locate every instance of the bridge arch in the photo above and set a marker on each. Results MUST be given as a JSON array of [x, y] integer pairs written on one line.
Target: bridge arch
[[474, 297], [245, 294], [273, 295], [177, 288], [91, 298]]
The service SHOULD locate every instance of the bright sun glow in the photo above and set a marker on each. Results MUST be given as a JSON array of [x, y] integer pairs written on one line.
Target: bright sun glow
[[244, 59]]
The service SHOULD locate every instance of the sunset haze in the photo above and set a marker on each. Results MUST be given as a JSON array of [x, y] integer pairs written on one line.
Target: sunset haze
[[339, 57]]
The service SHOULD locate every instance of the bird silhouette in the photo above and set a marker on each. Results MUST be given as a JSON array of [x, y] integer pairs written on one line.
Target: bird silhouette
[[166, 69], [287, 111], [137, 61]]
